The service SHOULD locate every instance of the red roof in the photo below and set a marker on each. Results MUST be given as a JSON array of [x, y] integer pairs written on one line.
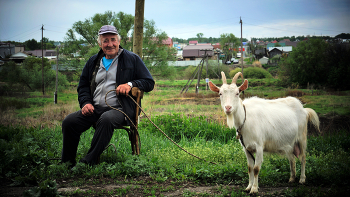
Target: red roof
[[168, 41], [193, 42]]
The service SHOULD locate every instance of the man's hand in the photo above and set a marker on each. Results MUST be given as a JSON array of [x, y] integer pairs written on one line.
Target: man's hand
[[88, 110], [123, 89]]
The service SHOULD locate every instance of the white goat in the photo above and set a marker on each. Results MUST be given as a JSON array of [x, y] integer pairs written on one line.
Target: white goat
[[278, 126]]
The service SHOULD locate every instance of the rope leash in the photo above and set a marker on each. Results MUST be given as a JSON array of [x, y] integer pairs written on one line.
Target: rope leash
[[153, 125]]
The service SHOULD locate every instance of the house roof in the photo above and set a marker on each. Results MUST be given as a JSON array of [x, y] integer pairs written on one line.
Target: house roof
[[284, 49], [168, 41], [19, 55], [39, 54], [193, 42], [284, 40], [198, 47]]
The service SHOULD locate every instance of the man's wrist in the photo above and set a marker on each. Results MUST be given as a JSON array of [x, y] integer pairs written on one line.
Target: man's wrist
[[130, 84]]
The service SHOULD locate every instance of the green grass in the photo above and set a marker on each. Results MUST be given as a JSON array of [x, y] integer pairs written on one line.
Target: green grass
[[26, 153]]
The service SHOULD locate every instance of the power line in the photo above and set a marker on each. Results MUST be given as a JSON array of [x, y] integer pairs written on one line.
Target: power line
[[24, 32]]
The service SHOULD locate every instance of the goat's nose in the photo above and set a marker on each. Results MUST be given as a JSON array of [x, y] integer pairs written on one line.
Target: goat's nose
[[228, 107]]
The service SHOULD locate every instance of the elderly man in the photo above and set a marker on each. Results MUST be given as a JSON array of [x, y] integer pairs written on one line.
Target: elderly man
[[112, 68]]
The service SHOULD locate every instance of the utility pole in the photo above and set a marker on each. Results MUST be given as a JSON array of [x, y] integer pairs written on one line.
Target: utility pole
[[138, 26], [42, 59], [55, 96], [240, 21]]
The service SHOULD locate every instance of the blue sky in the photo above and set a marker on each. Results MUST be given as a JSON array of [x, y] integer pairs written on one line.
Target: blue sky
[[21, 20]]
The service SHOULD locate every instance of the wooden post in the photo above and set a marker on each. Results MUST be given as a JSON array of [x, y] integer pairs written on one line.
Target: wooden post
[[55, 96], [42, 60], [138, 27]]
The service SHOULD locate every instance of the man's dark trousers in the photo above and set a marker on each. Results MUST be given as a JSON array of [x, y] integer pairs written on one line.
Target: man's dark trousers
[[76, 123]]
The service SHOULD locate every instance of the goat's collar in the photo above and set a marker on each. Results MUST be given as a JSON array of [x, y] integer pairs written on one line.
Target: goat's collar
[[240, 127]]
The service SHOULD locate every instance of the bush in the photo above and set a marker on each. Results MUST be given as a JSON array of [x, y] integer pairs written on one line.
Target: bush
[[257, 64], [252, 72], [29, 75], [317, 62]]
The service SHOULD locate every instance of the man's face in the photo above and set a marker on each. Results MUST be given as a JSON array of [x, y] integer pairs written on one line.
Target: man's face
[[110, 45]]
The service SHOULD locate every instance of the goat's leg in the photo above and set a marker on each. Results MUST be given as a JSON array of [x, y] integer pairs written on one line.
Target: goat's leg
[[292, 167], [256, 170], [302, 158], [250, 170]]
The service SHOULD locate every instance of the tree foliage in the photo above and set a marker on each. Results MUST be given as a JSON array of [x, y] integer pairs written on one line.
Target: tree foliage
[[32, 44], [228, 43], [29, 75], [317, 62], [155, 55]]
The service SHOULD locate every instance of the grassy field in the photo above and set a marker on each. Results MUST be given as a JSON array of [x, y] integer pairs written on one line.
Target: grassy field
[[29, 148]]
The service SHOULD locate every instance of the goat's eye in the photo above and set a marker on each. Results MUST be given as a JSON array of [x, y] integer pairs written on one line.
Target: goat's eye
[[220, 94], [237, 93]]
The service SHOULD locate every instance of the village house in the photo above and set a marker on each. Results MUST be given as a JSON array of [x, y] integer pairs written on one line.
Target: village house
[[193, 52]]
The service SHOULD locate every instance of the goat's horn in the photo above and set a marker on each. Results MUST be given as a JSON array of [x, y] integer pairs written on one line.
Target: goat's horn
[[234, 80], [223, 77]]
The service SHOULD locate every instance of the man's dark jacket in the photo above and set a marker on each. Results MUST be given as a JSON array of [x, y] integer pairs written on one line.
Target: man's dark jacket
[[130, 68]]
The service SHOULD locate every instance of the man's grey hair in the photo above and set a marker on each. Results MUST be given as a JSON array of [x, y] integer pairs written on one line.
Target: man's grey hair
[[100, 37]]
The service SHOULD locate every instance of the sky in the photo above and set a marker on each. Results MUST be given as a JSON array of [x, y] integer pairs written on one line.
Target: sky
[[21, 20]]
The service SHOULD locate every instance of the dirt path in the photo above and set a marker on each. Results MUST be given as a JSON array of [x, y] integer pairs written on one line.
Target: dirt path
[[146, 186]]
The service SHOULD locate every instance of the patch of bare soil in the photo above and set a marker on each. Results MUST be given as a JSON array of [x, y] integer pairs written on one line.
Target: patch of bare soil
[[146, 186]]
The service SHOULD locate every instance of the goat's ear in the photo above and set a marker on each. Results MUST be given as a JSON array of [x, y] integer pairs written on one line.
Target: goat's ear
[[244, 86], [213, 87]]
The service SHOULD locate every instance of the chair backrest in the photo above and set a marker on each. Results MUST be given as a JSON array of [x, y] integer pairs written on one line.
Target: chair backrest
[[134, 136], [136, 92]]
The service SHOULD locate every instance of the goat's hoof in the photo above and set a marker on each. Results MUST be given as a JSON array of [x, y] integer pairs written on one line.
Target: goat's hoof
[[291, 180], [302, 180], [248, 188], [254, 190]]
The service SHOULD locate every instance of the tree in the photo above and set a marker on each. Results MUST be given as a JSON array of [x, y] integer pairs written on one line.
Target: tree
[[32, 45], [228, 43], [200, 36], [343, 36], [29, 74], [317, 62], [124, 23], [156, 55]]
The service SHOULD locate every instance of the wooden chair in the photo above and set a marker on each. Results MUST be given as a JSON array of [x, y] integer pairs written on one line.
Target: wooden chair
[[134, 136]]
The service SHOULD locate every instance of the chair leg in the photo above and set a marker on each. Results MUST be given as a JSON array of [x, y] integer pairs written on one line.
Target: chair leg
[[135, 142], [137, 147]]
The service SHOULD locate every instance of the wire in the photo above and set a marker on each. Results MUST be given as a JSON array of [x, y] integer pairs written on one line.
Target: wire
[[25, 32]]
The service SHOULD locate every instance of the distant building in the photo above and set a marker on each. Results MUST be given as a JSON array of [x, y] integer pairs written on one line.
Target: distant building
[[216, 46], [192, 52], [193, 42], [168, 42], [49, 54], [259, 53], [264, 60], [18, 57], [7, 49]]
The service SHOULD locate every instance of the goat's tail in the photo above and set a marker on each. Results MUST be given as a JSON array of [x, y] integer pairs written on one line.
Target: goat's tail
[[313, 117]]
